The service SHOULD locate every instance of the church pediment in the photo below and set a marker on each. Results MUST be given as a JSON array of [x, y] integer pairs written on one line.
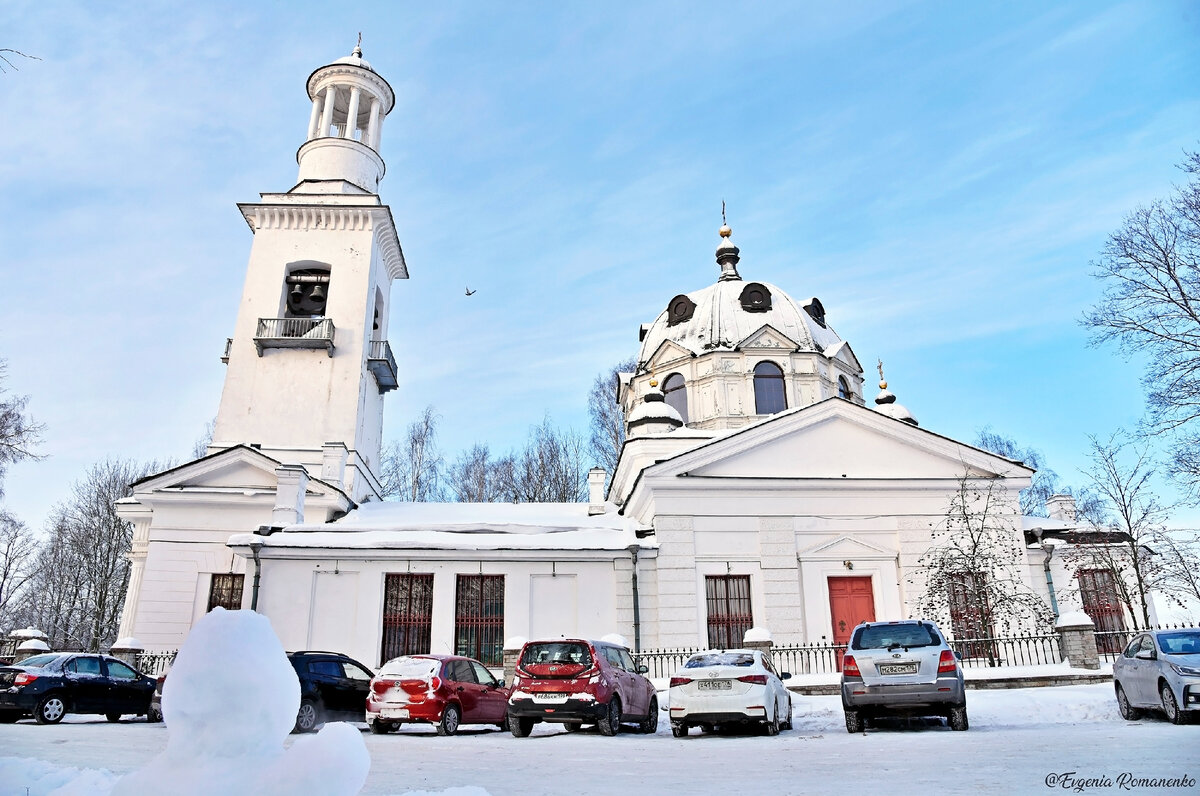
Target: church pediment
[[239, 467], [845, 547], [842, 352], [668, 353], [834, 440], [767, 336]]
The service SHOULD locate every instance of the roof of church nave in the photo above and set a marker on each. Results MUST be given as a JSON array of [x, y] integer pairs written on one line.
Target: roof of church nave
[[722, 315]]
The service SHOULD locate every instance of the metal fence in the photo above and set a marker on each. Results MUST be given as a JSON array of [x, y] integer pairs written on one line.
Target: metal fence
[[154, 663], [1110, 643], [1027, 650]]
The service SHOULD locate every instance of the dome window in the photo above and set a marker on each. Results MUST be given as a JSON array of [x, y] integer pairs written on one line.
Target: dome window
[[755, 297], [769, 395], [679, 310], [844, 388], [675, 393], [816, 311]]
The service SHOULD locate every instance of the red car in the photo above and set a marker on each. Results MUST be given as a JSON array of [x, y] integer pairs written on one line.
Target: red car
[[575, 682], [446, 691]]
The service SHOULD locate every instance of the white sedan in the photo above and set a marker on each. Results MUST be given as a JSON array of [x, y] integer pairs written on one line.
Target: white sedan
[[726, 687]]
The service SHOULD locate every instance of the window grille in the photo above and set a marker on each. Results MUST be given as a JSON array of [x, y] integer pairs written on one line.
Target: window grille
[[479, 618], [1102, 604], [729, 613], [967, 614], [407, 614], [225, 591]]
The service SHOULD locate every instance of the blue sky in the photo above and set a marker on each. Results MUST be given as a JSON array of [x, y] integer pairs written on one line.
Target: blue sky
[[940, 175]]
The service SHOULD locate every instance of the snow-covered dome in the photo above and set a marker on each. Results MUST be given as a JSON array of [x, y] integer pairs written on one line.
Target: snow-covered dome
[[653, 415], [723, 315], [355, 57], [885, 403]]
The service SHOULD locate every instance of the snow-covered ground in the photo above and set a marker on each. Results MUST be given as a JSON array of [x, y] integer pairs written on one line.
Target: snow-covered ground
[[1018, 738]]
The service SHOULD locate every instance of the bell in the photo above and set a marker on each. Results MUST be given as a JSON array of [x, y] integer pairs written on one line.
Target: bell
[[318, 293], [297, 292]]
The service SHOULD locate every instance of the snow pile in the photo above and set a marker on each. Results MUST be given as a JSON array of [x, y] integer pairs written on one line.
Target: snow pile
[[756, 634], [229, 704], [39, 778], [1074, 619]]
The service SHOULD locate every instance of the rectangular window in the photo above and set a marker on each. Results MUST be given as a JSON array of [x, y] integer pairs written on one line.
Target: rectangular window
[[225, 591], [407, 615], [1102, 604], [729, 614], [479, 618], [968, 609]]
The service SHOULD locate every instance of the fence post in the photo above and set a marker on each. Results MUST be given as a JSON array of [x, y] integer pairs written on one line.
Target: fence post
[[759, 638], [1077, 640], [127, 649]]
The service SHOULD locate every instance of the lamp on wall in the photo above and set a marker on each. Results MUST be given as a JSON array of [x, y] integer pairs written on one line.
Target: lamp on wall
[[848, 564]]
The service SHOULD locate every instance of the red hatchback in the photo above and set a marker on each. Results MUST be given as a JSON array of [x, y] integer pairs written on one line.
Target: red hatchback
[[443, 690], [575, 682]]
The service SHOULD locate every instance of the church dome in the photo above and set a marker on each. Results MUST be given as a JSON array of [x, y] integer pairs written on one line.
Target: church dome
[[723, 315]]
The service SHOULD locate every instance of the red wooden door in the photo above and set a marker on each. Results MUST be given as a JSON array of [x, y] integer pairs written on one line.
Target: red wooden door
[[851, 601]]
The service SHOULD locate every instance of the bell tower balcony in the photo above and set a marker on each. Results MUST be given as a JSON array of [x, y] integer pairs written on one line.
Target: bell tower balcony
[[382, 364], [294, 333]]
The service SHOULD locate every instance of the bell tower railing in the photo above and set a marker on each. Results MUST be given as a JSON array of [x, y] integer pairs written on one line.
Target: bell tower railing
[[381, 363], [294, 333]]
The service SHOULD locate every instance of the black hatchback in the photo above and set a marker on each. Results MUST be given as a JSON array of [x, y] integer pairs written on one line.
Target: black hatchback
[[333, 687], [51, 685]]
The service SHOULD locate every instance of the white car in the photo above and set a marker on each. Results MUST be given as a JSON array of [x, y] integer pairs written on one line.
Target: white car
[[716, 688]]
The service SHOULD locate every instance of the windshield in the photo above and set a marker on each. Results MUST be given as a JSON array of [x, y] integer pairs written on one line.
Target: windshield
[[557, 652], [410, 668], [894, 636], [1185, 642], [719, 659], [38, 660]]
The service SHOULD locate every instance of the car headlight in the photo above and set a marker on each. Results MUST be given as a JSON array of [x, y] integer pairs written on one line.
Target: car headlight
[[1190, 671]]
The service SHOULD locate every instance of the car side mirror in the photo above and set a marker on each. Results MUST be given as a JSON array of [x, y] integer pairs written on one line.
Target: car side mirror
[[785, 675], [1146, 655], [642, 668]]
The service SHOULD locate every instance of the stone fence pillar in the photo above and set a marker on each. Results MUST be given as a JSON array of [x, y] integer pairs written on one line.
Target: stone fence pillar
[[512, 649], [1077, 640], [759, 638], [127, 649]]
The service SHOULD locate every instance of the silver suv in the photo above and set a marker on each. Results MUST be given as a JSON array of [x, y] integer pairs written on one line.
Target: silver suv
[[901, 668]]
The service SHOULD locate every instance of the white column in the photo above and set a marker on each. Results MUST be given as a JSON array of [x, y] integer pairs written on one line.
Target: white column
[[352, 112], [314, 118], [327, 117], [373, 125]]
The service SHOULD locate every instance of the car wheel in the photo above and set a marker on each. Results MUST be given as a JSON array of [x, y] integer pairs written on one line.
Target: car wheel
[[306, 717], [679, 729], [380, 727], [787, 725], [573, 726], [1128, 711], [958, 718], [854, 722], [449, 722], [772, 727], [611, 723], [520, 726], [113, 717], [50, 710], [1170, 706], [154, 715], [649, 725]]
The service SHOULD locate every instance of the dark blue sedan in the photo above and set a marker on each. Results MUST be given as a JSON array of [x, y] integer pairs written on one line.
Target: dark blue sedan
[[52, 685]]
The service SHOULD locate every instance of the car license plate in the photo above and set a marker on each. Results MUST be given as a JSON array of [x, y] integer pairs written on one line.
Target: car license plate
[[394, 713], [552, 698], [713, 685], [898, 668]]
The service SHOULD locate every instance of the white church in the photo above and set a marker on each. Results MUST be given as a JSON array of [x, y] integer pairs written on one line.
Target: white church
[[757, 486]]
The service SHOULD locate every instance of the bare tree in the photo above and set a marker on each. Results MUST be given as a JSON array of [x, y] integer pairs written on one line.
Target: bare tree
[[200, 446], [1150, 269], [18, 549], [1045, 480], [607, 416], [475, 477], [411, 469], [78, 588], [6, 51], [19, 434], [1179, 562], [1131, 521], [549, 469], [972, 568]]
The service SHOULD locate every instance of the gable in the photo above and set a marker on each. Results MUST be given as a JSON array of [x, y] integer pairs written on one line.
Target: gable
[[668, 353], [844, 354], [767, 337], [845, 547], [836, 439]]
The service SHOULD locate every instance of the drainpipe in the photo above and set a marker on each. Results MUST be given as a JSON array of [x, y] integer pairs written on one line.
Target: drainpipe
[[637, 614], [1048, 549], [255, 546]]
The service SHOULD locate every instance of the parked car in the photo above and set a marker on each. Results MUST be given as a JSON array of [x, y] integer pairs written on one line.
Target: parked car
[[446, 691], [155, 714], [333, 687], [901, 668], [576, 682], [51, 685], [718, 688], [1159, 670]]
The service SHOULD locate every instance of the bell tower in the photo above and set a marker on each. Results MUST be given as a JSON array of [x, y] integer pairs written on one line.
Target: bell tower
[[309, 361]]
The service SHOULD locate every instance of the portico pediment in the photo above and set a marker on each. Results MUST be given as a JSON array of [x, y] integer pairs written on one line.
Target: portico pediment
[[767, 336], [842, 352], [667, 353], [239, 467], [845, 547]]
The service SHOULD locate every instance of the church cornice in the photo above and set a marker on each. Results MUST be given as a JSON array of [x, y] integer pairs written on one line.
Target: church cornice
[[332, 218]]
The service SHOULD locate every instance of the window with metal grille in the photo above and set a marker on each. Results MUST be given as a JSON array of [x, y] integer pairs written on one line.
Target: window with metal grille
[[407, 614], [225, 591], [479, 618], [1102, 604], [729, 614], [968, 609]]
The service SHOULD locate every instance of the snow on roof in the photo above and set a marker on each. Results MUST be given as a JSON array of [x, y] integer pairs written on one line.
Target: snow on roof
[[471, 526]]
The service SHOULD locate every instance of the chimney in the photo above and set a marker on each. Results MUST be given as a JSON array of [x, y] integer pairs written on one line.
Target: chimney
[[1061, 507], [289, 495], [333, 463], [596, 490]]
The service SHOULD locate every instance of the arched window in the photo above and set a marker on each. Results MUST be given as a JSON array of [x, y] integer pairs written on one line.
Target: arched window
[[676, 394], [306, 292], [768, 389], [844, 388]]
